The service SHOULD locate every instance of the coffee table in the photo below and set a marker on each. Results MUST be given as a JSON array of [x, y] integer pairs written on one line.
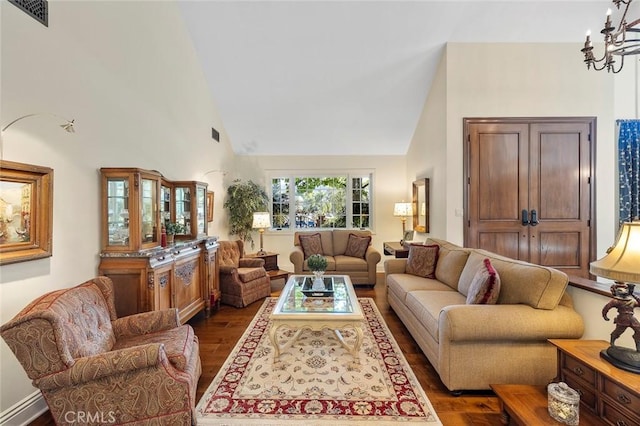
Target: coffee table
[[299, 312]]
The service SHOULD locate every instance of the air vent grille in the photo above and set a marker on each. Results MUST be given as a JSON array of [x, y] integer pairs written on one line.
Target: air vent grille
[[37, 9]]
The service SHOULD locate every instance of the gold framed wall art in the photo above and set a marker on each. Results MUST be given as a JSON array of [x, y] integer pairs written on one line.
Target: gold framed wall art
[[26, 212]]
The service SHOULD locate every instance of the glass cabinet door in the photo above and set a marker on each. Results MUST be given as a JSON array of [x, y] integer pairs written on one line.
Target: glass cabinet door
[[165, 204], [183, 207], [118, 211], [201, 213], [148, 203]]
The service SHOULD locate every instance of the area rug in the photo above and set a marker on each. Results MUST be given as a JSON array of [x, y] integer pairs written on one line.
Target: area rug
[[316, 380]]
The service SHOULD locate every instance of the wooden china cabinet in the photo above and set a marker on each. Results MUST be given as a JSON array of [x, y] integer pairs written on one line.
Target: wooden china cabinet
[[136, 204]]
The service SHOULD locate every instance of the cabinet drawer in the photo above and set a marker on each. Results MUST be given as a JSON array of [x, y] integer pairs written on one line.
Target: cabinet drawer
[[578, 369], [587, 393], [618, 416], [621, 396]]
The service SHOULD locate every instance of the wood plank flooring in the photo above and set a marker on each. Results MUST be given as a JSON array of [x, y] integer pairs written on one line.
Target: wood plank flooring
[[219, 333]]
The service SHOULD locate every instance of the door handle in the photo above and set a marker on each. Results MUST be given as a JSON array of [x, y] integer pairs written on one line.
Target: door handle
[[534, 218], [525, 217]]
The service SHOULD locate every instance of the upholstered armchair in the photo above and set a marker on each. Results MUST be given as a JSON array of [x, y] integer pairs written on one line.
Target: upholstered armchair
[[137, 370], [242, 280]]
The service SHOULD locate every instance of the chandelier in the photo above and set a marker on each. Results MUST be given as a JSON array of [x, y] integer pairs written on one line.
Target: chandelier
[[621, 41]]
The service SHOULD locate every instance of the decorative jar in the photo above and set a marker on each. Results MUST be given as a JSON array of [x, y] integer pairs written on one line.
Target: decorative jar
[[564, 403]]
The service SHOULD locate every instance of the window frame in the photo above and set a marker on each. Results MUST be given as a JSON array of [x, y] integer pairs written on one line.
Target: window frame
[[350, 174]]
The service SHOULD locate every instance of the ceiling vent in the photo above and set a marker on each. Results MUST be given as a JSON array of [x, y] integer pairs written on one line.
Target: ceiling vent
[[37, 9]]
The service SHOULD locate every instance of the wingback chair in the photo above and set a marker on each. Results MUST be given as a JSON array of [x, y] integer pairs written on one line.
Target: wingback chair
[[137, 370], [242, 280]]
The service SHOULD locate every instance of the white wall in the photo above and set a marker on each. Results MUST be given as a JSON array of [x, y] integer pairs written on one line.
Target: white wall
[[390, 186], [522, 80], [127, 73]]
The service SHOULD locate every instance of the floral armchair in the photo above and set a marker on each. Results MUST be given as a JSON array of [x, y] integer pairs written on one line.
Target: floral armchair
[[137, 370], [242, 280]]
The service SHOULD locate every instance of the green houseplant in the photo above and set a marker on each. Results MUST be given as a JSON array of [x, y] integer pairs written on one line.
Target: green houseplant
[[317, 263], [173, 228], [244, 199]]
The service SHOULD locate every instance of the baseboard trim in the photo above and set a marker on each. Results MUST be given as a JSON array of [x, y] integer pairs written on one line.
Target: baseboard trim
[[24, 412]]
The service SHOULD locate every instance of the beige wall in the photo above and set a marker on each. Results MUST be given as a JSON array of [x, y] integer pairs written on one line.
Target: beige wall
[[389, 182], [521, 80], [132, 82]]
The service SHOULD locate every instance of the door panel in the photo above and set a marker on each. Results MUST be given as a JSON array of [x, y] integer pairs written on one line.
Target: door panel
[[560, 192], [541, 165], [498, 188]]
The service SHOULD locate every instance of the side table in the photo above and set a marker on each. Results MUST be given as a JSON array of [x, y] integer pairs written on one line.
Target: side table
[[527, 405], [271, 266], [396, 249]]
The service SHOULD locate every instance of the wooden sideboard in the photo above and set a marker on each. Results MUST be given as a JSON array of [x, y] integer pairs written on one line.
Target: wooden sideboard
[[182, 276], [605, 390]]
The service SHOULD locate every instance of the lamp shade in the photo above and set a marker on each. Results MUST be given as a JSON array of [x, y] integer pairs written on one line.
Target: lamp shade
[[402, 209], [261, 220], [622, 262]]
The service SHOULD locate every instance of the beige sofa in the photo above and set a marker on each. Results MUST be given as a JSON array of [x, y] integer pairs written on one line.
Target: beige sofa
[[474, 345], [334, 245]]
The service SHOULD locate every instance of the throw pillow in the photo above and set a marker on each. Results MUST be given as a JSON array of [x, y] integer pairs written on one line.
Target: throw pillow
[[311, 244], [357, 246], [485, 285], [422, 260]]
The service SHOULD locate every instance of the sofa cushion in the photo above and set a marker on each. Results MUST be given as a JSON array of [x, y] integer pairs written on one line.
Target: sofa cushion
[[485, 286], [427, 305], [402, 284], [341, 239], [331, 264], [350, 263], [451, 261], [311, 244], [422, 260], [249, 274], [520, 282], [357, 245], [178, 343]]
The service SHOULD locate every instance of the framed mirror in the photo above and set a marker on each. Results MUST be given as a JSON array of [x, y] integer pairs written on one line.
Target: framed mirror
[[421, 205]]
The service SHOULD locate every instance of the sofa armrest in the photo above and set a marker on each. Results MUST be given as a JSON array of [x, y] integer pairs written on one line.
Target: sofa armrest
[[297, 258], [96, 367], [228, 270], [395, 266], [372, 256], [462, 323], [247, 262], [146, 322]]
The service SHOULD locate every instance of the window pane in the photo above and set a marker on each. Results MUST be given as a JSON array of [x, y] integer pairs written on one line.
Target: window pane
[[280, 202]]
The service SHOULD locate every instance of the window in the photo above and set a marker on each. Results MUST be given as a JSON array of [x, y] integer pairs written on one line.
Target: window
[[336, 201]]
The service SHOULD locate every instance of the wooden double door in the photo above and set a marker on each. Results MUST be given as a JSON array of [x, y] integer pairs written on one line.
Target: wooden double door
[[530, 190]]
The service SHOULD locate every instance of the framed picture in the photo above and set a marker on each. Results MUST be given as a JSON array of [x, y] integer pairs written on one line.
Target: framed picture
[[209, 206], [26, 212]]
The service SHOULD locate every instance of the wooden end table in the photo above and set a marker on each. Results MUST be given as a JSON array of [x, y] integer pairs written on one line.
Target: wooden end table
[[271, 265], [396, 249]]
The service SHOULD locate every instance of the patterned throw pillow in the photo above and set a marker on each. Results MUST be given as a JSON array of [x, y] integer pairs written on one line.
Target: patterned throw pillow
[[485, 286], [311, 244], [357, 246], [422, 260]]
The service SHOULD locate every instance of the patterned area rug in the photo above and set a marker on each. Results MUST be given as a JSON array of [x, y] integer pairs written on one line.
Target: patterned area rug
[[316, 380]]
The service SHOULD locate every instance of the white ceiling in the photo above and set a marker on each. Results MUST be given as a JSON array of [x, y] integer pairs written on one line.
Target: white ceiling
[[350, 77]]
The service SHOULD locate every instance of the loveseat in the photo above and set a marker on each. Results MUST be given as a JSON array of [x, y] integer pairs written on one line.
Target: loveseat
[[348, 252], [94, 368], [470, 343]]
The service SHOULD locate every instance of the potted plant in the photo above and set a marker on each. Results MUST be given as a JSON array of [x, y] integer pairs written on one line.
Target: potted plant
[[244, 199], [173, 228], [317, 263]]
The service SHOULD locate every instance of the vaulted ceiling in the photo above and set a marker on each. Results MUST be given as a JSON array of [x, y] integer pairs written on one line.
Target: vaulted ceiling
[[350, 77]]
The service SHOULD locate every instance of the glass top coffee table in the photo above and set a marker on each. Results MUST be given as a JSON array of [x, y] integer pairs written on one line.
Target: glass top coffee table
[[299, 308]]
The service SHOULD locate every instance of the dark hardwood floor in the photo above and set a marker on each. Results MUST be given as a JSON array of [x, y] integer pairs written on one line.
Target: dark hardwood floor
[[219, 333]]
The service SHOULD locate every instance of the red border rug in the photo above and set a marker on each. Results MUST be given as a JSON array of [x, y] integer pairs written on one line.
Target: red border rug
[[316, 380]]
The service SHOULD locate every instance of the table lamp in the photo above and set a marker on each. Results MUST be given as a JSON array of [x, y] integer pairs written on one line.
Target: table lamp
[[261, 220], [403, 210], [622, 264]]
